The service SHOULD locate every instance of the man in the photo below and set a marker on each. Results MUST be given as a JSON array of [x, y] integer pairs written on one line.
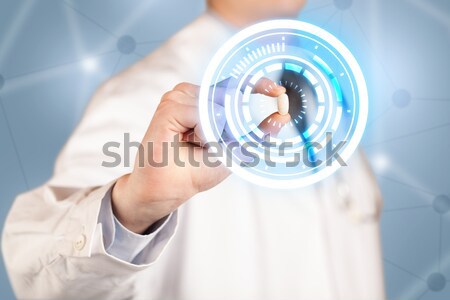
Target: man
[[94, 232]]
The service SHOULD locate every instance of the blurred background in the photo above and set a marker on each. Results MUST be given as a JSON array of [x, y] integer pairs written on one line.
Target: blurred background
[[55, 53]]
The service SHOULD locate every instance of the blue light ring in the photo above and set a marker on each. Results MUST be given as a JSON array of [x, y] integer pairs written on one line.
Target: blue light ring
[[362, 96]]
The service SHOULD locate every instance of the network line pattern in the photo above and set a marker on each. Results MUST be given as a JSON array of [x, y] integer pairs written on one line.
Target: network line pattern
[[413, 203]]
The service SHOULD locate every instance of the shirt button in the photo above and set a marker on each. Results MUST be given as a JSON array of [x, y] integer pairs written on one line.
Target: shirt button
[[80, 242]]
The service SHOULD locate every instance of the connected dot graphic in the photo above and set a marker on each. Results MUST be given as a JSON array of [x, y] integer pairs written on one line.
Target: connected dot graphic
[[126, 44], [436, 282], [441, 204], [401, 98], [343, 4], [90, 64]]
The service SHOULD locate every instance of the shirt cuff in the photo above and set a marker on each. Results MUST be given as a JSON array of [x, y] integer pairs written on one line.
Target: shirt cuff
[[121, 242]]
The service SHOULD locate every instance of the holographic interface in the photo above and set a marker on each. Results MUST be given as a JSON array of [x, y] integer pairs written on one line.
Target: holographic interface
[[328, 104]]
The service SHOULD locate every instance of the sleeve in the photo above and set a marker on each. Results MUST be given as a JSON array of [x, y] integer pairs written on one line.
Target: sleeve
[[54, 246], [127, 245]]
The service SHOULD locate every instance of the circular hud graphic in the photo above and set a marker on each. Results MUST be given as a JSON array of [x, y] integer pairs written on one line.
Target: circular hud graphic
[[328, 104]]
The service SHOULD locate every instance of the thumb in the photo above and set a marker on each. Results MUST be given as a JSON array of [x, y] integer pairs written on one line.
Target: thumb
[[273, 124]]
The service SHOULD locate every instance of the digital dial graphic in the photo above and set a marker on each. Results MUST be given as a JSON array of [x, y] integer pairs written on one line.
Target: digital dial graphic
[[328, 104]]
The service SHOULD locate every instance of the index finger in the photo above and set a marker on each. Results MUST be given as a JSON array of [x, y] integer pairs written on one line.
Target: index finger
[[268, 87], [263, 86]]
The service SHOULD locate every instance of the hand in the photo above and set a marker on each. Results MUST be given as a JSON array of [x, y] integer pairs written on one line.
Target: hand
[[152, 192]]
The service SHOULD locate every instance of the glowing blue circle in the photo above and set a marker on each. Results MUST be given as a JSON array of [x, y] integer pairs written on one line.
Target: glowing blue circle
[[327, 91]]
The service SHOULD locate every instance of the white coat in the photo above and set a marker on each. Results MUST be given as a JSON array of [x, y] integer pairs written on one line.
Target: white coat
[[236, 241]]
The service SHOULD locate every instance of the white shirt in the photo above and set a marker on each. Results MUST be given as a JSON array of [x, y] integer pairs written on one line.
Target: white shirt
[[236, 241]]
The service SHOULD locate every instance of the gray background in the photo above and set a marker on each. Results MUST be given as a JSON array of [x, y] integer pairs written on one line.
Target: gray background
[[53, 54]]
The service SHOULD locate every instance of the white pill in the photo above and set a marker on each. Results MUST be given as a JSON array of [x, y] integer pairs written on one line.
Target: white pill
[[283, 104]]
